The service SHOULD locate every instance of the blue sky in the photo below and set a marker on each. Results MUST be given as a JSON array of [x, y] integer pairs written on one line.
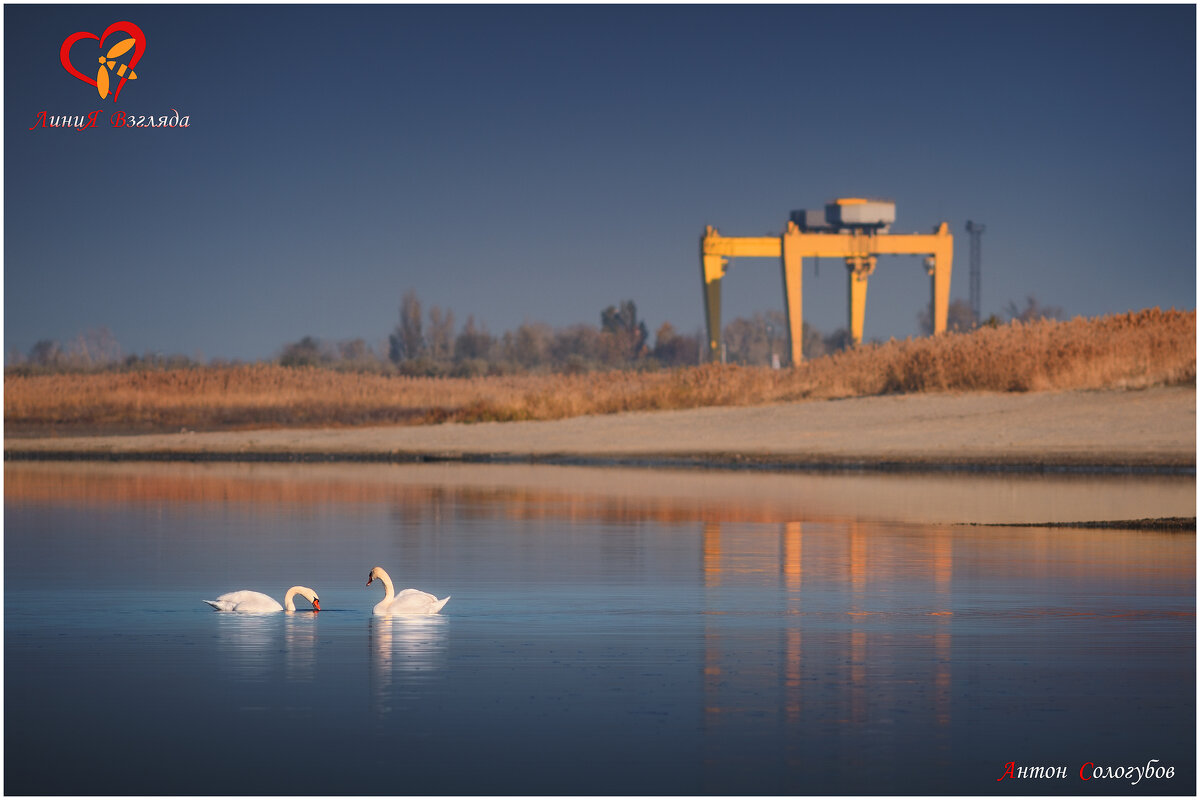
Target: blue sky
[[543, 162]]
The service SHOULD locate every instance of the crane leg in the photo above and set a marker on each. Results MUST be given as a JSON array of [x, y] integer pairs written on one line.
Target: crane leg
[[712, 269], [793, 294], [941, 290], [860, 269]]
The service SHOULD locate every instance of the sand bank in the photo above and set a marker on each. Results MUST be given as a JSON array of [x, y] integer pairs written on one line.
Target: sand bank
[[709, 497], [1152, 429]]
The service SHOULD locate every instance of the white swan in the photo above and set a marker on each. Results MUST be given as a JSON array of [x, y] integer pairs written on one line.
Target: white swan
[[409, 601], [259, 603]]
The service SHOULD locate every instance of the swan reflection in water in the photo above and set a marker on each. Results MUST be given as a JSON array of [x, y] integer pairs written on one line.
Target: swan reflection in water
[[299, 646], [407, 654], [249, 643]]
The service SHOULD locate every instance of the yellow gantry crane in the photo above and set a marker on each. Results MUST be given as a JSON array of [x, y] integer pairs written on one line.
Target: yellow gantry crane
[[852, 228]]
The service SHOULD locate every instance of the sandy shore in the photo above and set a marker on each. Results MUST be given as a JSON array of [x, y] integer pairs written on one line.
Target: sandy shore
[[1151, 429]]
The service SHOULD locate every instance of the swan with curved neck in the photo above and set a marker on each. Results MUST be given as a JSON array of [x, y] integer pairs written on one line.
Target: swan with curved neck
[[408, 601], [259, 603]]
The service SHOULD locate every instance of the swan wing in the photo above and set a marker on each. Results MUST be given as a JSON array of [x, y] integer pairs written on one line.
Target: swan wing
[[245, 601], [413, 601]]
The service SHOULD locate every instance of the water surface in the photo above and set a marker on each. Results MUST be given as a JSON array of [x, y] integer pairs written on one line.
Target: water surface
[[610, 632]]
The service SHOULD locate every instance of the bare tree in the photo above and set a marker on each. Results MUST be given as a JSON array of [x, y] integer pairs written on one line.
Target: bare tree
[[838, 340], [308, 352], [441, 334], [577, 347], [96, 347], [812, 342], [960, 317], [1033, 311], [627, 335], [354, 350], [753, 341], [407, 341], [529, 346], [46, 353], [674, 350], [473, 343]]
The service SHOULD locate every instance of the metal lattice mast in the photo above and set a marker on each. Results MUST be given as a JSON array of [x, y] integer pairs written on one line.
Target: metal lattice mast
[[976, 230]]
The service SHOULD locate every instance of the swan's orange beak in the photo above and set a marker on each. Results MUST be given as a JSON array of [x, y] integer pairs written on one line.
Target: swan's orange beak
[[369, 579], [316, 604]]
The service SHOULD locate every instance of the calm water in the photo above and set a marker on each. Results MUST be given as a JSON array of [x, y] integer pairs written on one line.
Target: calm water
[[601, 640]]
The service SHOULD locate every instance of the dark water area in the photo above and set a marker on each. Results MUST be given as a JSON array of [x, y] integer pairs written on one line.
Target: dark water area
[[592, 645]]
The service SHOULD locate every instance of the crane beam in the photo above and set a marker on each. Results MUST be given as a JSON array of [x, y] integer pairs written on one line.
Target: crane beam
[[860, 249]]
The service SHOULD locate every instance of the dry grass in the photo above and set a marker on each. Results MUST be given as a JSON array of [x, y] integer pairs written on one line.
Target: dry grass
[[1134, 350]]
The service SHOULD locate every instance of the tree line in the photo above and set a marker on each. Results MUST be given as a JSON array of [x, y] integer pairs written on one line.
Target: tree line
[[427, 343]]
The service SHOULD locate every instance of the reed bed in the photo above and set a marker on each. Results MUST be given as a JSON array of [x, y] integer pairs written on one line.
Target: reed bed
[[1133, 350]]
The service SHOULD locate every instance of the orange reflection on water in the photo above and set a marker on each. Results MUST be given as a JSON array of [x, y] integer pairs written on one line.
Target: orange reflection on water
[[712, 554], [941, 677], [942, 559], [793, 581], [850, 561], [870, 613], [417, 489], [793, 554], [522, 491], [858, 565], [794, 674]]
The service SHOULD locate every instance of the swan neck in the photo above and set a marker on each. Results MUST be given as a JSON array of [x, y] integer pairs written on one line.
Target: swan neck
[[389, 590], [305, 592]]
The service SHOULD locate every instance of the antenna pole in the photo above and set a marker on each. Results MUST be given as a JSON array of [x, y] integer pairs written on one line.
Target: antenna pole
[[976, 230]]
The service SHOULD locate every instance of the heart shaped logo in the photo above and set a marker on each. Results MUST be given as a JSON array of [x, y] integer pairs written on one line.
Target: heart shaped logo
[[135, 40]]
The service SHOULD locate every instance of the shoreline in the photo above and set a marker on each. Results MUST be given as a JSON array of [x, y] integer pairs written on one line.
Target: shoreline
[[1108, 431], [1179, 524], [1135, 465]]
